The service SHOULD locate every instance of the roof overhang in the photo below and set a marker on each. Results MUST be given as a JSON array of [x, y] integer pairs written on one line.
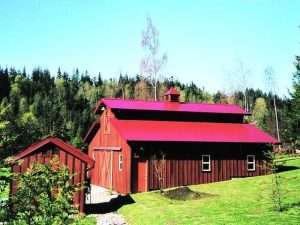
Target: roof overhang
[[91, 132]]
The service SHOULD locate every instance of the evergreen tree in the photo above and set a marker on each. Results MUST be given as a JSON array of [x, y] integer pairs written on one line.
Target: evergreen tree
[[295, 106]]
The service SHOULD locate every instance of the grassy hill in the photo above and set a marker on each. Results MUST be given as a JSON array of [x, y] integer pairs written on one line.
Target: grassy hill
[[239, 201]]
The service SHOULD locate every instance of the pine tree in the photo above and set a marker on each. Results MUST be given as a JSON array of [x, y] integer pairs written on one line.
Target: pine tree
[[295, 106]]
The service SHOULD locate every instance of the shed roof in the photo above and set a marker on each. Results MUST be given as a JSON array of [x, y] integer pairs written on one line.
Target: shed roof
[[141, 130], [170, 106], [59, 143]]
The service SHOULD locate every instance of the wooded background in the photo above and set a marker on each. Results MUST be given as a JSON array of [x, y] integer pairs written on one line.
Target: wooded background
[[37, 104]]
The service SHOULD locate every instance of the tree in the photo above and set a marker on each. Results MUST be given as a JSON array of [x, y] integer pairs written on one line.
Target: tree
[[294, 123], [4, 83], [152, 63], [272, 88], [7, 132], [260, 113], [159, 163], [240, 77]]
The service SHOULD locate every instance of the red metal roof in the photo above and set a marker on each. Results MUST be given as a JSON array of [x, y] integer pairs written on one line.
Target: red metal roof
[[172, 91], [141, 130], [170, 106], [59, 143]]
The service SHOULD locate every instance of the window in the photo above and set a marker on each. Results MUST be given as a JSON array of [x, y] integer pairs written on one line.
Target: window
[[251, 162], [120, 162], [205, 162]]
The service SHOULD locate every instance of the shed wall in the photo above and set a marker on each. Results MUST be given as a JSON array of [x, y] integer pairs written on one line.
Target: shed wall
[[44, 155]]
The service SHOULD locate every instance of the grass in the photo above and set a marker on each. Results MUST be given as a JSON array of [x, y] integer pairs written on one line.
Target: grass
[[240, 201], [89, 220]]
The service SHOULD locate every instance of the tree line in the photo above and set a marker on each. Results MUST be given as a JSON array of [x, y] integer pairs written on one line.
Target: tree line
[[37, 104]]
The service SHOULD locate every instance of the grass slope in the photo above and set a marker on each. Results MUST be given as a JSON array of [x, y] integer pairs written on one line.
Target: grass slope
[[239, 201]]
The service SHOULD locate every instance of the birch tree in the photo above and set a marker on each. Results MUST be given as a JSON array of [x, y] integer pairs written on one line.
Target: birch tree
[[152, 62], [272, 89], [239, 81]]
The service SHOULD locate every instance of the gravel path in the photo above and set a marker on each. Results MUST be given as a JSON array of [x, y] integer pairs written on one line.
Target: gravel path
[[110, 219], [99, 195]]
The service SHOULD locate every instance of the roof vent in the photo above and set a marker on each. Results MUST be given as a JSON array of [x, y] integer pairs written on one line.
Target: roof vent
[[172, 95]]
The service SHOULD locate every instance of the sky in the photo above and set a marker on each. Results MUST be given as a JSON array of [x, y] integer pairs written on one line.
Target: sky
[[205, 41]]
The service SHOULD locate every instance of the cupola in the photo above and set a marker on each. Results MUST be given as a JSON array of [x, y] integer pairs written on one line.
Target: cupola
[[172, 95]]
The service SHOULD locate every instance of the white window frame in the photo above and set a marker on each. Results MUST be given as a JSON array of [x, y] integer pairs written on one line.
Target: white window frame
[[206, 163], [120, 162], [251, 163]]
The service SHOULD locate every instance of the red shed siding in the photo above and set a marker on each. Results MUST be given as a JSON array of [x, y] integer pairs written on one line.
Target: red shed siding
[[44, 155], [101, 173]]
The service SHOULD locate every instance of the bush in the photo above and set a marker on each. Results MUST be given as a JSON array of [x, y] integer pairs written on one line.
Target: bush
[[44, 196]]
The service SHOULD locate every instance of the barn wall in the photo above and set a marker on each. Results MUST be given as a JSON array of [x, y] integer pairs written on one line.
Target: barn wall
[[107, 136], [44, 155], [183, 163]]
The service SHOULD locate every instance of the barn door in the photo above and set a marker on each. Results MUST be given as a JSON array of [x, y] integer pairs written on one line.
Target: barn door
[[139, 175], [105, 168]]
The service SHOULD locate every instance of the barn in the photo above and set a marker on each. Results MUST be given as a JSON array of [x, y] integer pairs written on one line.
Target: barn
[[44, 150], [144, 145]]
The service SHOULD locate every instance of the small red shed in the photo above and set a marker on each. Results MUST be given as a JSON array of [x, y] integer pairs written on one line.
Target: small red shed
[[42, 151], [201, 143]]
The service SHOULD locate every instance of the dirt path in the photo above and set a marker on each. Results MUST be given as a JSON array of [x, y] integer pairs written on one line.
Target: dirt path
[[103, 205], [110, 219]]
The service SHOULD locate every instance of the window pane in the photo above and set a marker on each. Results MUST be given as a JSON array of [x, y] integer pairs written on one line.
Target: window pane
[[205, 166], [205, 158], [251, 158], [251, 166]]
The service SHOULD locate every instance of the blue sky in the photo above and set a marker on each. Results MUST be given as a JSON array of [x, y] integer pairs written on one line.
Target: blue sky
[[204, 40]]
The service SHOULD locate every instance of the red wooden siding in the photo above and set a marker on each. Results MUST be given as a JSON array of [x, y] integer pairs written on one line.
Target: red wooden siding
[[185, 167], [43, 155], [139, 180], [102, 144]]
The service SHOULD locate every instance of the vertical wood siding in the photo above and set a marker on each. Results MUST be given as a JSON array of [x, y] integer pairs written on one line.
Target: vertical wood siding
[[184, 167], [101, 173], [45, 154]]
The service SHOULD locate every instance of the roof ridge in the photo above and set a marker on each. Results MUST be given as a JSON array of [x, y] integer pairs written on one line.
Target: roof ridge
[[153, 101]]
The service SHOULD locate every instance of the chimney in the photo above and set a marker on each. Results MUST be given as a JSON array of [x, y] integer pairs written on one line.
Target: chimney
[[172, 95]]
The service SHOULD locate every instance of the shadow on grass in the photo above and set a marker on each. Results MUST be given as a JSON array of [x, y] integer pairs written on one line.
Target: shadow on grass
[[284, 168], [290, 206], [111, 206]]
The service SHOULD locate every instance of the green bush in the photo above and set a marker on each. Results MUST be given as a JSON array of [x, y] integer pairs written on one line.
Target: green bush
[[44, 196]]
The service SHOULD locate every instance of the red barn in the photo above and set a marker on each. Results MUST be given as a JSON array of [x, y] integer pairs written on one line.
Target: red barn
[[44, 150], [201, 143]]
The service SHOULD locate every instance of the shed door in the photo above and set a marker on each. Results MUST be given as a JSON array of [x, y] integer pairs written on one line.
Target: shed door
[[139, 175]]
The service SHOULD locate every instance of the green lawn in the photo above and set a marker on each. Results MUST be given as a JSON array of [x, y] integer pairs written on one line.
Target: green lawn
[[239, 201]]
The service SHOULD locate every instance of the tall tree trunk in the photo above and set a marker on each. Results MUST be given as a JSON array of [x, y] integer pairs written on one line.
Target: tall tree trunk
[[155, 91], [276, 118]]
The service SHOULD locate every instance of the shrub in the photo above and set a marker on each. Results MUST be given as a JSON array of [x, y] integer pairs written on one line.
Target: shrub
[[44, 196]]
